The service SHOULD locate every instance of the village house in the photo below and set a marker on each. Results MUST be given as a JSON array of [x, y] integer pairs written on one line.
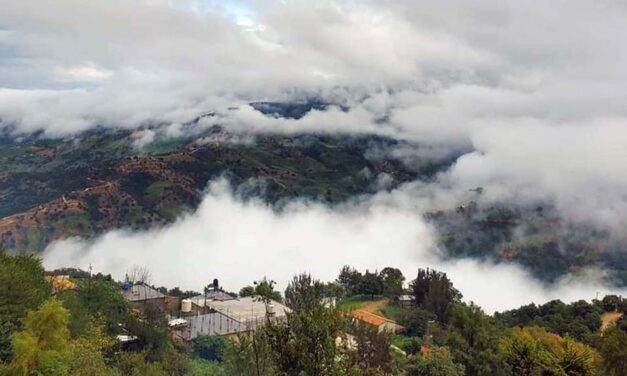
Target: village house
[[406, 300], [224, 315], [141, 295], [381, 323]]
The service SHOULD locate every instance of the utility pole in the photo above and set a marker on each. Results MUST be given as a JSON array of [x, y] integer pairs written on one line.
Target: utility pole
[[89, 285]]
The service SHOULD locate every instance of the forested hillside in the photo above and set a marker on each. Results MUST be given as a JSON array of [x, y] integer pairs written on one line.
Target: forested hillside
[[54, 188]]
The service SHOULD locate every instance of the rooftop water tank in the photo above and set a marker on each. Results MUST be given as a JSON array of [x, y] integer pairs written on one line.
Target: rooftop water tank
[[270, 309], [186, 305]]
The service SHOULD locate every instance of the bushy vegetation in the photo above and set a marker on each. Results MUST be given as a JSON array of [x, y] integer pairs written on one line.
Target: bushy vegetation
[[73, 332]]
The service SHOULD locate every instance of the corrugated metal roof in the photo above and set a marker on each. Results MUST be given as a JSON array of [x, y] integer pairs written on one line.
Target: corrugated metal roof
[[247, 309], [140, 292], [213, 324]]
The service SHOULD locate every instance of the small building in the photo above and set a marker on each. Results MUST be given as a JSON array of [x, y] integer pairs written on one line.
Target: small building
[[200, 303], [141, 295], [61, 282], [248, 311], [406, 300], [329, 302], [382, 324], [172, 303]]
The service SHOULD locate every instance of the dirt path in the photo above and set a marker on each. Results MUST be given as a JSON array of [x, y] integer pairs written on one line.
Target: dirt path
[[609, 318], [374, 306]]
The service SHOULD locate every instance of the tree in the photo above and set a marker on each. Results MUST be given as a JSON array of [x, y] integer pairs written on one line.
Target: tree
[[474, 341], [435, 361], [209, 347], [416, 320], [40, 346], [22, 288], [80, 317], [612, 345], [249, 355], [435, 293], [392, 282], [247, 291], [101, 296], [84, 356], [264, 291], [334, 290], [579, 319], [349, 279], [372, 355], [611, 303], [371, 284], [305, 344], [139, 274], [303, 292], [534, 351]]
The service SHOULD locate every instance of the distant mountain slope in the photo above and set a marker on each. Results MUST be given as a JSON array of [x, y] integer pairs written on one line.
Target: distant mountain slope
[[50, 189], [537, 238], [100, 180]]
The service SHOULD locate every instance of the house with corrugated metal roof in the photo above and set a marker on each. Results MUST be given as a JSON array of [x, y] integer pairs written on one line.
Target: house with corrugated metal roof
[[140, 295], [214, 323], [224, 315]]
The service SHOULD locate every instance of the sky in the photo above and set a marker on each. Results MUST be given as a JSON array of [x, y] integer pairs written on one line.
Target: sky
[[535, 90]]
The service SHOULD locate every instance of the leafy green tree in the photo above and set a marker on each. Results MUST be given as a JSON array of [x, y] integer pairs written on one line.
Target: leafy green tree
[[474, 341], [579, 319], [305, 343], [264, 291], [435, 292], [101, 296], [350, 280], [249, 355], [80, 317], [22, 288], [175, 363], [437, 361], [209, 347], [303, 292], [534, 351], [40, 346], [416, 321], [392, 282], [334, 290], [154, 340], [612, 345], [135, 364], [247, 291], [372, 355], [612, 303], [85, 354], [371, 284]]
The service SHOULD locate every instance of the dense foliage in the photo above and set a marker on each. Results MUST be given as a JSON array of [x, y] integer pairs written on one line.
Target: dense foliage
[[72, 332]]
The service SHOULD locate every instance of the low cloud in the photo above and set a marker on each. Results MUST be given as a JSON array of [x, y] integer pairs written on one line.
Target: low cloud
[[239, 242], [533, 94]]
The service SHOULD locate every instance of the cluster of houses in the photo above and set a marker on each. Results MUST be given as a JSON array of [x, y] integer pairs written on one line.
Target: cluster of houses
[[212, 313], [221, 314], [215, 312]]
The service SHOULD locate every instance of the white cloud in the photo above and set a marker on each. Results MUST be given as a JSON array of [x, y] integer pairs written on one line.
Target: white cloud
[[537, 89], [84, 72], [238, 242]]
